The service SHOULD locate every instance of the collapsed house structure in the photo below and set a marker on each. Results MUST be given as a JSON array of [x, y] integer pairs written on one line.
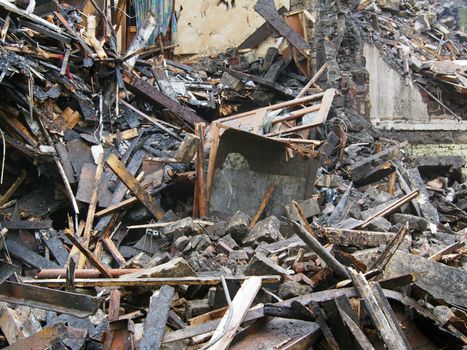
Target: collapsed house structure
[[233, 174]]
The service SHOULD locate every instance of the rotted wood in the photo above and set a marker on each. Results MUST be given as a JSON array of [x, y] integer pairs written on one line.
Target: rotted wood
[[119, 169]]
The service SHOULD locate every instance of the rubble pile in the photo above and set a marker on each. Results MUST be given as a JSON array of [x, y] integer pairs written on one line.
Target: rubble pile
[[424, 42], [216, 203]]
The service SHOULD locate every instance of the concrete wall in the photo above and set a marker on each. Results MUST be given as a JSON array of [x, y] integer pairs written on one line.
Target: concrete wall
[[390, 97], [212, 26]]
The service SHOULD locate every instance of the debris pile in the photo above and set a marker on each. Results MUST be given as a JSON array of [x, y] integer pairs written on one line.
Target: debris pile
[[215, 203], [424, 41]]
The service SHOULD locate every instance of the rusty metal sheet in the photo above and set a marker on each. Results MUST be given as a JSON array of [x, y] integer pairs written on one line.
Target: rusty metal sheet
[[247, 164]]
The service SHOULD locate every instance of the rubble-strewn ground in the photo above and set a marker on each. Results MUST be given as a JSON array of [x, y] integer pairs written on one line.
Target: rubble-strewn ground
[[226, 201]]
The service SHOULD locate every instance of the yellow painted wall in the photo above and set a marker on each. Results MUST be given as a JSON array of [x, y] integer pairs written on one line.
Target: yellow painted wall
[[204, 26]]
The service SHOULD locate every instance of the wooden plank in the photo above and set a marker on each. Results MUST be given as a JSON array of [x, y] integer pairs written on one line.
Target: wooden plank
[[389, 313], [56, 247], [11, 191], [29, 257], [90, 256], [215, 140], [149, 282], [225, 331], [43, 339], [260, 34], [350, 319], [360, 239], [153, 120], [200, 205], [448, 250], [110, 245], [144, 90], [382, 323], [390, 249], [263, 204], [65, 160], [140, 40], [321, 320], [119, 169], [315, 246], [158, 313], [389, 209], [320, 117], [267, 10], [91, 209], [11, 326], [254, 313]]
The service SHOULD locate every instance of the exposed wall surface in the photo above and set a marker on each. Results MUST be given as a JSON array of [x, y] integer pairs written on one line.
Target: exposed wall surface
[[212, 26], [390, 96]]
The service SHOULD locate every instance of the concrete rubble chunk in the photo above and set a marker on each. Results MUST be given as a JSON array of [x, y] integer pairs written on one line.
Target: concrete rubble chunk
[[239, 255], [183, 227], [441, 281], [380, 224], [292, 289], [415, 222], [229, 241], [260, 264], [237, 226], [310, 208], [267, 230], [177, 267], [196, 307]]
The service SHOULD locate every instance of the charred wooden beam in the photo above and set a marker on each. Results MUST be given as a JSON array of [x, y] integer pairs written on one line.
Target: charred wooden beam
[[144, 90], [267, 10]]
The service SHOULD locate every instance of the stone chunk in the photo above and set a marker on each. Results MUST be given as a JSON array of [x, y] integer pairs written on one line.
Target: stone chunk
[[310, 208], [229, 81], [260, 264], [222, 247], [267, 230], [181, 242], [216, 230], [196, 307], [292, 289], [415, 222], [380, 224], [239, 255], [237, 226], [183, 227], [201, 242], [229, 241], [177, 267]]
